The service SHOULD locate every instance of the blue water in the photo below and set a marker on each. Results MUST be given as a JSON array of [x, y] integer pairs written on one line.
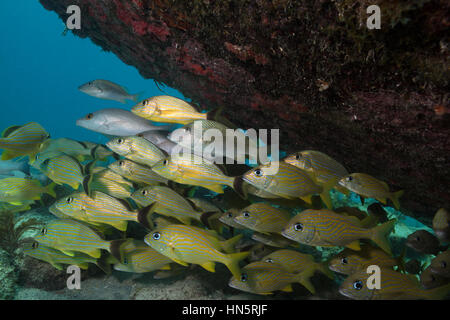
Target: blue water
[[41, 71]]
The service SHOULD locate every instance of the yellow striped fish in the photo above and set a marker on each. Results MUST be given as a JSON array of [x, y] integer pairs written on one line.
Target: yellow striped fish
[[393, 286], [64, 169], [100, 209], [22, 140], [188, 244], [264, 278], [370, 187], [19, 191], [193, 170], [66, 146], [327, 228], [137, 149], [325, 171], [294, 262], [140, 258], [137, 173], [70, 236], [284, 180], [349, 261], [56, 258], [167, 202], [109, 182], [167, 109], [263, 218], [228, 218]]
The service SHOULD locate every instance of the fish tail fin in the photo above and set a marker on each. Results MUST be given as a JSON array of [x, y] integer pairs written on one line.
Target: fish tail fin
[[50, 189], [115, 248], [325, 196], [136, 97], [395, 198], [216, 115], [144, 216], [232, 262], [103, 264], [304, 278], [380, 235], [323, 268], [87, 181], [238, 186], [439, 293], [229, 244]]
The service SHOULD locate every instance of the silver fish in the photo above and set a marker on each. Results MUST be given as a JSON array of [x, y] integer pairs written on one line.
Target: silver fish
[[107, 90], [116, 122]]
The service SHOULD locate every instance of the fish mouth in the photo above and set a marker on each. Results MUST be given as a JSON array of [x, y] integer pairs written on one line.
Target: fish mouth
[[345, 293], [287, 235]]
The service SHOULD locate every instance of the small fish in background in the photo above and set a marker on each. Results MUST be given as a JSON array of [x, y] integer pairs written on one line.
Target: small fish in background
[[430, 280], [440, 265], [8, 167], [288, 181], [264, 278], [263, 218], [70, 236], [23, 140], [273, 240], [57, 258], [141, 258], [137, 149], [116, 122], [349, 261], [104, 89], [423, 242], [296, 262], [376, 210], [327, 228], [394, 286], [257, 250], [370, 187], [228, 218], [169, 109], [19, 191], [188, 244], [413, 266], [140, 174], [441, 225]]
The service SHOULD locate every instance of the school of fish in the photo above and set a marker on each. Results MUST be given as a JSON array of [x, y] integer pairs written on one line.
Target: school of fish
[[267, 246]]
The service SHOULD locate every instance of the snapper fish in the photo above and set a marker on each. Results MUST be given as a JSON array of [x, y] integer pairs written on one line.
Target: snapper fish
[[116, 122], [194, 170], [70, 236], [140, 258], [370, 187], [100, 209], [57, 258], [104, 89], [139, 174], [188, 244], [424, 242], [22, 140], [394, 286], [159, 139], [263, 218], [20, 191], [327, 228], [441, 264], [170, 109], [296, 262], [108, 182], [263, 278], [166, 202], [228, 218], [349, 261], [283, 180], [137, 149]]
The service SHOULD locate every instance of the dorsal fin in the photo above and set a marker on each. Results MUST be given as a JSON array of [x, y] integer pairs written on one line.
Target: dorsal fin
[[10, 130]]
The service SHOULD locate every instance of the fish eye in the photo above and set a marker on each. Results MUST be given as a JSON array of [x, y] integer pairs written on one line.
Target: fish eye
[[121, 163], [156, 236], [244, 277], [246, 214], [349, 178], [297, 156], [69, 200], [298, 227], [35, 245], [344, 261], [90, 116], [144, 192], [120, 141], [358, 285], [165, 162], [44, 231], [418, 238], [258, 172], [269, 260], [230, 215], [443, 264], [125, 261], [37, 157]]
